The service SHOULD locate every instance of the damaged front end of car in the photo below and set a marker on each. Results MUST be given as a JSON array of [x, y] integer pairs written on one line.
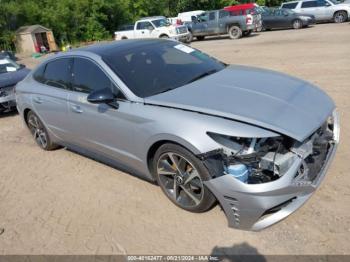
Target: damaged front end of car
[[260, 181]]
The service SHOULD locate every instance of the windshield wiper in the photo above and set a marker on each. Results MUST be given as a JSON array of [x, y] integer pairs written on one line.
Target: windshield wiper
[[202, 75]]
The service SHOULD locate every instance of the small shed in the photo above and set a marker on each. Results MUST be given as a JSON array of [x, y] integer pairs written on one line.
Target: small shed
[[29, 39]]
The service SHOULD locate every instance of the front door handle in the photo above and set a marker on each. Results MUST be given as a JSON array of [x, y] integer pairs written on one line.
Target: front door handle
[[76, 109], [38, 100]]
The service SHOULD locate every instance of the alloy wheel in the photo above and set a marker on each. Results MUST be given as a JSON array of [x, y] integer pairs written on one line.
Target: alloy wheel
[[180, 180], [38, 131], [339, 17]]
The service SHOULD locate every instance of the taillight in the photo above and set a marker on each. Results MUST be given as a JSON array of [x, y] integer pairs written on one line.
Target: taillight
[[249, 20]]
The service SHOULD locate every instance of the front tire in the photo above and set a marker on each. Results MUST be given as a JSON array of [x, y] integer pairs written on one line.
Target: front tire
[[189, 38], [340, 17], [235, 32], [180, 175], [200, 38], [297, 24], [39, 132]]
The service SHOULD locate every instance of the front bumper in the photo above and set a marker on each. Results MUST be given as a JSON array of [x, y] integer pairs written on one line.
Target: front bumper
[[180, 37], [7, 95], [257, 206]]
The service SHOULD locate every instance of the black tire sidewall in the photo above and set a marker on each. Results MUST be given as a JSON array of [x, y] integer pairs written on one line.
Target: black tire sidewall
[[209, 199]]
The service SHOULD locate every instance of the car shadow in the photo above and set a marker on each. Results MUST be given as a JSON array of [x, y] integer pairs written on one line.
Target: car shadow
[[8, 114], [238, 253], [224, 37]]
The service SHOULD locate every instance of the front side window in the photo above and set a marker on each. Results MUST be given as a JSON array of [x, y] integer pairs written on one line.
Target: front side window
[[321, 3], [290, 5], [144, 25], [309, 4], [58, 73], [88, 77], [159, 67]]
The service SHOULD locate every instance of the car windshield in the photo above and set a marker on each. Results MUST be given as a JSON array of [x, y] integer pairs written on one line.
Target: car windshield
[[335, 2], [161, 66], [161, 22], [7, 65]]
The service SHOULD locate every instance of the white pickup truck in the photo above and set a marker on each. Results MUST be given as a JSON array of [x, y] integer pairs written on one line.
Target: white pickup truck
[[152, 27]]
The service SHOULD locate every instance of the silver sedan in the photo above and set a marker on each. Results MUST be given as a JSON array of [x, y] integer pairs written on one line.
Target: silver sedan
[[256, 141]]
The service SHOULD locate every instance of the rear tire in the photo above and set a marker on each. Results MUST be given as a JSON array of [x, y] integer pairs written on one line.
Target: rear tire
[[235, 32], [39, 132], [180, 175], [340, 17], [297, 24], [164, 37]]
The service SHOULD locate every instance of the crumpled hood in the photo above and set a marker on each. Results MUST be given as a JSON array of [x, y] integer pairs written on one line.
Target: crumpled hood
[[264, 98], [12, 78]]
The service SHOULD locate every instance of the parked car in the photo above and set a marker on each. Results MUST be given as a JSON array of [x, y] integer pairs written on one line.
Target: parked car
[[189, 16], [257, 141], [323, 10], [7, 54], [284, 18], [251, 10], [220, 22], [153, 27], [10, 74]]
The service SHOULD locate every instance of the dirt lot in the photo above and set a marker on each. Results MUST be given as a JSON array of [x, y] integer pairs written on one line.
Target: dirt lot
[[62, 203]]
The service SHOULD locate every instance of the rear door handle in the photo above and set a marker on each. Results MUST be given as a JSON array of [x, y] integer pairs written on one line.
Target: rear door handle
[[76, 109], [38, 100]]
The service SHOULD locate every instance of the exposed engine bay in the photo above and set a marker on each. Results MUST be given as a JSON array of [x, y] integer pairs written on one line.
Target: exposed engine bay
[[261, 160]]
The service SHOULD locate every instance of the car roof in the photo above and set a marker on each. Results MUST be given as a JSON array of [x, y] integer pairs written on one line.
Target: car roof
[[109, 48], [289, 2], [151, 17]]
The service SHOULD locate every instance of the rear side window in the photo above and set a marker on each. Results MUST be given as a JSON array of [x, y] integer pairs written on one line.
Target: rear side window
[[58, 73], [290, 5], [87, 77], [309, 4], [223, 13], [212, 16]]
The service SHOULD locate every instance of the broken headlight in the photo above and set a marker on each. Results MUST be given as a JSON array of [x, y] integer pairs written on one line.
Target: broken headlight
[[255, 160]]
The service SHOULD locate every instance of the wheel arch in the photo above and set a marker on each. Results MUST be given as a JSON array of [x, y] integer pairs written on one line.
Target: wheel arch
[[163, 35], [25, 114], [341, 10], [228, 26], [155, 145]]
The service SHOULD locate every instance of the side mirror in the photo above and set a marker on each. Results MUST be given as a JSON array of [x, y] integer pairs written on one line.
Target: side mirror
[[103, 96]]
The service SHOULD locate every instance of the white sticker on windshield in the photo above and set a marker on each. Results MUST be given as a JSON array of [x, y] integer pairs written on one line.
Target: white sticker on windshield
[[184, 48], [10, 69]]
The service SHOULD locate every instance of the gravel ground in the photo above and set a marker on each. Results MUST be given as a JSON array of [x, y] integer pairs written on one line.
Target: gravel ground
[[62, 203]]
